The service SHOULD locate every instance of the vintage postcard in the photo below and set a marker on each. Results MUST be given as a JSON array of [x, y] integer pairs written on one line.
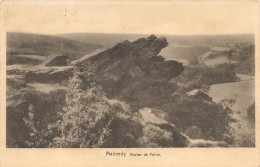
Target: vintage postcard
[[129, 83]]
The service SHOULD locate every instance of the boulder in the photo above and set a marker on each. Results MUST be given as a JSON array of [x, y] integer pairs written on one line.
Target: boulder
[[196, 93], [57, 59], [194, 132], [153, 124], [206, 143]]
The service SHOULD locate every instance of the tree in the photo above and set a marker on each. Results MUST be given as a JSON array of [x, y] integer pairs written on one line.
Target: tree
[[90, 120]]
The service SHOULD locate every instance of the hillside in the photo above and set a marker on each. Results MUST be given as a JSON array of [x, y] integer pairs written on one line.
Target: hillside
[[43, 45]]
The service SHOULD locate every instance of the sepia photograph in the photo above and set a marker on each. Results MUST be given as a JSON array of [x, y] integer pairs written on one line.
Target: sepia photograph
[[126, 83], [119, 90]]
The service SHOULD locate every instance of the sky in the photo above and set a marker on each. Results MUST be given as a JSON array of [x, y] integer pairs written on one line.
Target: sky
[[148, 17]]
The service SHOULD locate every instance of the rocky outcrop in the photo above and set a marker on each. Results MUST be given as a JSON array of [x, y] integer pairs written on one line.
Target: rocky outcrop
[[57, 59], [133, 71], [196, 93]]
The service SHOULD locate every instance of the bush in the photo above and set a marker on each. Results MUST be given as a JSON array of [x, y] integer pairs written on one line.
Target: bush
[[212, 119], [89, 120], [33, 121], [155, 136], [197, 77]]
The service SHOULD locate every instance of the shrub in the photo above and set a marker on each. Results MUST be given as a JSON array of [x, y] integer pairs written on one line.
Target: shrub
[[89, 120], [33, 121], [212, 119]]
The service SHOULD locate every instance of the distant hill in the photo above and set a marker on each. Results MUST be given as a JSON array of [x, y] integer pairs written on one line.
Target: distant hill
[[43, 45], [208, 40], [101, 39], [211, 40]]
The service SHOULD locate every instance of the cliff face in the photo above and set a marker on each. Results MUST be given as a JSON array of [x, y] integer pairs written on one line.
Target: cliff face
[[133, 71]]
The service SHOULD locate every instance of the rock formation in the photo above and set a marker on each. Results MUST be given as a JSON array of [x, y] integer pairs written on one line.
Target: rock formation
[[133, 71], [57, 59]]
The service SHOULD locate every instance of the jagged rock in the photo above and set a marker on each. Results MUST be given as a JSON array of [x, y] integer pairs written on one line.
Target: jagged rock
[[57, 59], [133, 71]]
